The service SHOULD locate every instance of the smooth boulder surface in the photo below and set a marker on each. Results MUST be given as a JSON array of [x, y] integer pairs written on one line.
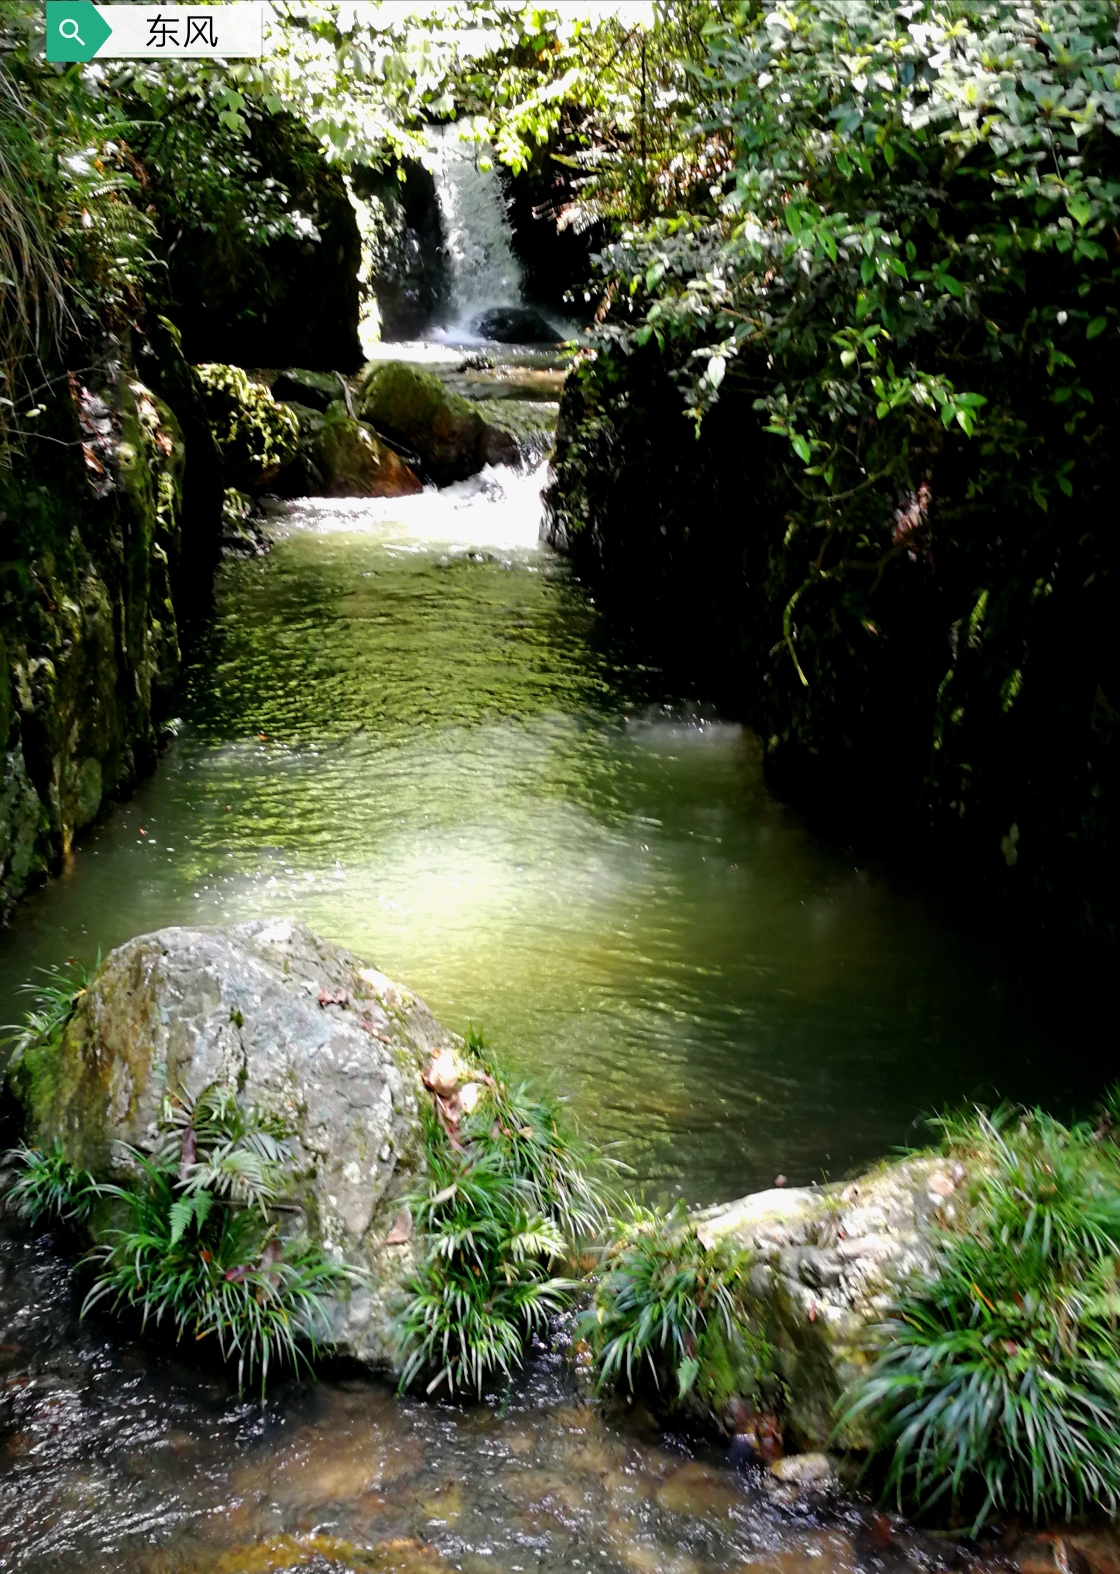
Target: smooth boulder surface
[[444, 432], [826, 1262], [515, 325], [306, 1031]]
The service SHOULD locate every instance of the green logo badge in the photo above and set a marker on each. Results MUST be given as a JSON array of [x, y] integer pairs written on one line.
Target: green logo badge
[[76, 30]]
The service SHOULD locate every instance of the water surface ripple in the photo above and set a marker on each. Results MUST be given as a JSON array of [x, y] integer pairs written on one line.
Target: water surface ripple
[[409, 729]]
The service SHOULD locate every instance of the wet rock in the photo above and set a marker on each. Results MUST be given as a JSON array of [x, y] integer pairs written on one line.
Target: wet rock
[[313, 390], [354, 462], [825, 1262], [515, 325], [804, 1470], [306, 1031], [444, 433]]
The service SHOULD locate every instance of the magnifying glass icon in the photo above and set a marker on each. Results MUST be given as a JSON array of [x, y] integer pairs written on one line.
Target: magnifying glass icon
[[69, 22]]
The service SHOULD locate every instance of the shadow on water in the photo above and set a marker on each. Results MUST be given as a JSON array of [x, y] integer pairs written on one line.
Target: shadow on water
[[409, 730]]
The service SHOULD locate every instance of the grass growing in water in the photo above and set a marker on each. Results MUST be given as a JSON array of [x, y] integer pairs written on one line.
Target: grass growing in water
[[668, 1315], [509, 1193], [49, 1190], [999, 1383], [201, 1254]]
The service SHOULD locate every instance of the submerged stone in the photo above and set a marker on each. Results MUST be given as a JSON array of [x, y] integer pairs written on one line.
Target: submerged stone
[[306, 1032], [515, 325]]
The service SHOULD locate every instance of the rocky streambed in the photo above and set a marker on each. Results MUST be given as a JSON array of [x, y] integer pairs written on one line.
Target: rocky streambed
[[117, 1449], [343, 1060]]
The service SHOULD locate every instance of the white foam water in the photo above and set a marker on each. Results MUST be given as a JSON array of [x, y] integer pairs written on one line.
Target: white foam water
[[478, 239]]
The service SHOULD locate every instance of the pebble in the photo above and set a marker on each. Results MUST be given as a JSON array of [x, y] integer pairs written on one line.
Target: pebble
[[804, 1470]]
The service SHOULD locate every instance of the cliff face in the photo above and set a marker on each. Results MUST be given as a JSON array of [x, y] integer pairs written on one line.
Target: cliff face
[[109, 527]]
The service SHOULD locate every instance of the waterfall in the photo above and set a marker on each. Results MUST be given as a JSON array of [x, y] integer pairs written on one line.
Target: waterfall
[[477, 235]]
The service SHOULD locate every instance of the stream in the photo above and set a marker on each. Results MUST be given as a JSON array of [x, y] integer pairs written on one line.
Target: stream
[[409, 728]]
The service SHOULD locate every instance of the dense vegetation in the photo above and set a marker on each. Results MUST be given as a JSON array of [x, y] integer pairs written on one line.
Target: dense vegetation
[[889, 308]]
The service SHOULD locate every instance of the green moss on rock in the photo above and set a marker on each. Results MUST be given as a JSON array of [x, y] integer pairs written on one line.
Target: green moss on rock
[[445, 432], [257, 436]]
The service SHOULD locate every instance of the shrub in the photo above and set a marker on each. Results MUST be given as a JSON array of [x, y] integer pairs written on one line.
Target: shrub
[[668, 1312], [998, 1386], [201, 1252], [508, 1193]]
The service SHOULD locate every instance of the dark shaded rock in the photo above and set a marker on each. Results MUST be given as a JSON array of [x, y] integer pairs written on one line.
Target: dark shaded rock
[[291, 302], [404, 280], [98, 559], [515, 325], [315, 390]]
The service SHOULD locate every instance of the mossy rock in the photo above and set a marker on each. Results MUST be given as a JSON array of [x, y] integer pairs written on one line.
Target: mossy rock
[[257, 436], [314, 390], [354, 462], [446, 433]]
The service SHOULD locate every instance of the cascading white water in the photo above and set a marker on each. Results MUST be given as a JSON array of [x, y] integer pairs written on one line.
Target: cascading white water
[[477, 234]]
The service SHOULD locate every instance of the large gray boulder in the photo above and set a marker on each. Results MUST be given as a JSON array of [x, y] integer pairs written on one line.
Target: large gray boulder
[[306, 1031], [826, 1263]]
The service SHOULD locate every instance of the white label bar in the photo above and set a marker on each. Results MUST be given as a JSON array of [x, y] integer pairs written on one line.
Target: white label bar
[[227, 32]]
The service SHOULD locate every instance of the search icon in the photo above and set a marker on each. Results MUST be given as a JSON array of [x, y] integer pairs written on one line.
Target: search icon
[[69, 22]]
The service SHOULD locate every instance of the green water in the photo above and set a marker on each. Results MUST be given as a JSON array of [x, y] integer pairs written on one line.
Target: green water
[[409, 729]]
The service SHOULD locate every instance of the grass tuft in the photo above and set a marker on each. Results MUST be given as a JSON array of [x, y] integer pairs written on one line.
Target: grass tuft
[[668, 1314], [54, 1001], [49, 1190], [998, 1385], [509, 1193]]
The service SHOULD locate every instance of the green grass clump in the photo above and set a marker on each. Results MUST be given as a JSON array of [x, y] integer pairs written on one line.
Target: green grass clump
[[668, 1315], [201, 1254], [54, 1000], [49, 1190], [998, 1389], [505, 1202]]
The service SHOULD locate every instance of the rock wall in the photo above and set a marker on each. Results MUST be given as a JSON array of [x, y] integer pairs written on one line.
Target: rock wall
[[109, 529], [961, 706]]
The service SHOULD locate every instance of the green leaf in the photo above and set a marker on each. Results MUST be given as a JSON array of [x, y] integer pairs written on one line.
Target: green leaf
[[1096, 327], [800, 447]]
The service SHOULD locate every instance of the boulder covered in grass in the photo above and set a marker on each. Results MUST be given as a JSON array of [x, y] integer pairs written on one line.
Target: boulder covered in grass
[[325, 1047]]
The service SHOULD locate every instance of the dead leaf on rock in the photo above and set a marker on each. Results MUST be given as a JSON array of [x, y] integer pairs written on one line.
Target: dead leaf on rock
[[402, 1229], [442, 1074]]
